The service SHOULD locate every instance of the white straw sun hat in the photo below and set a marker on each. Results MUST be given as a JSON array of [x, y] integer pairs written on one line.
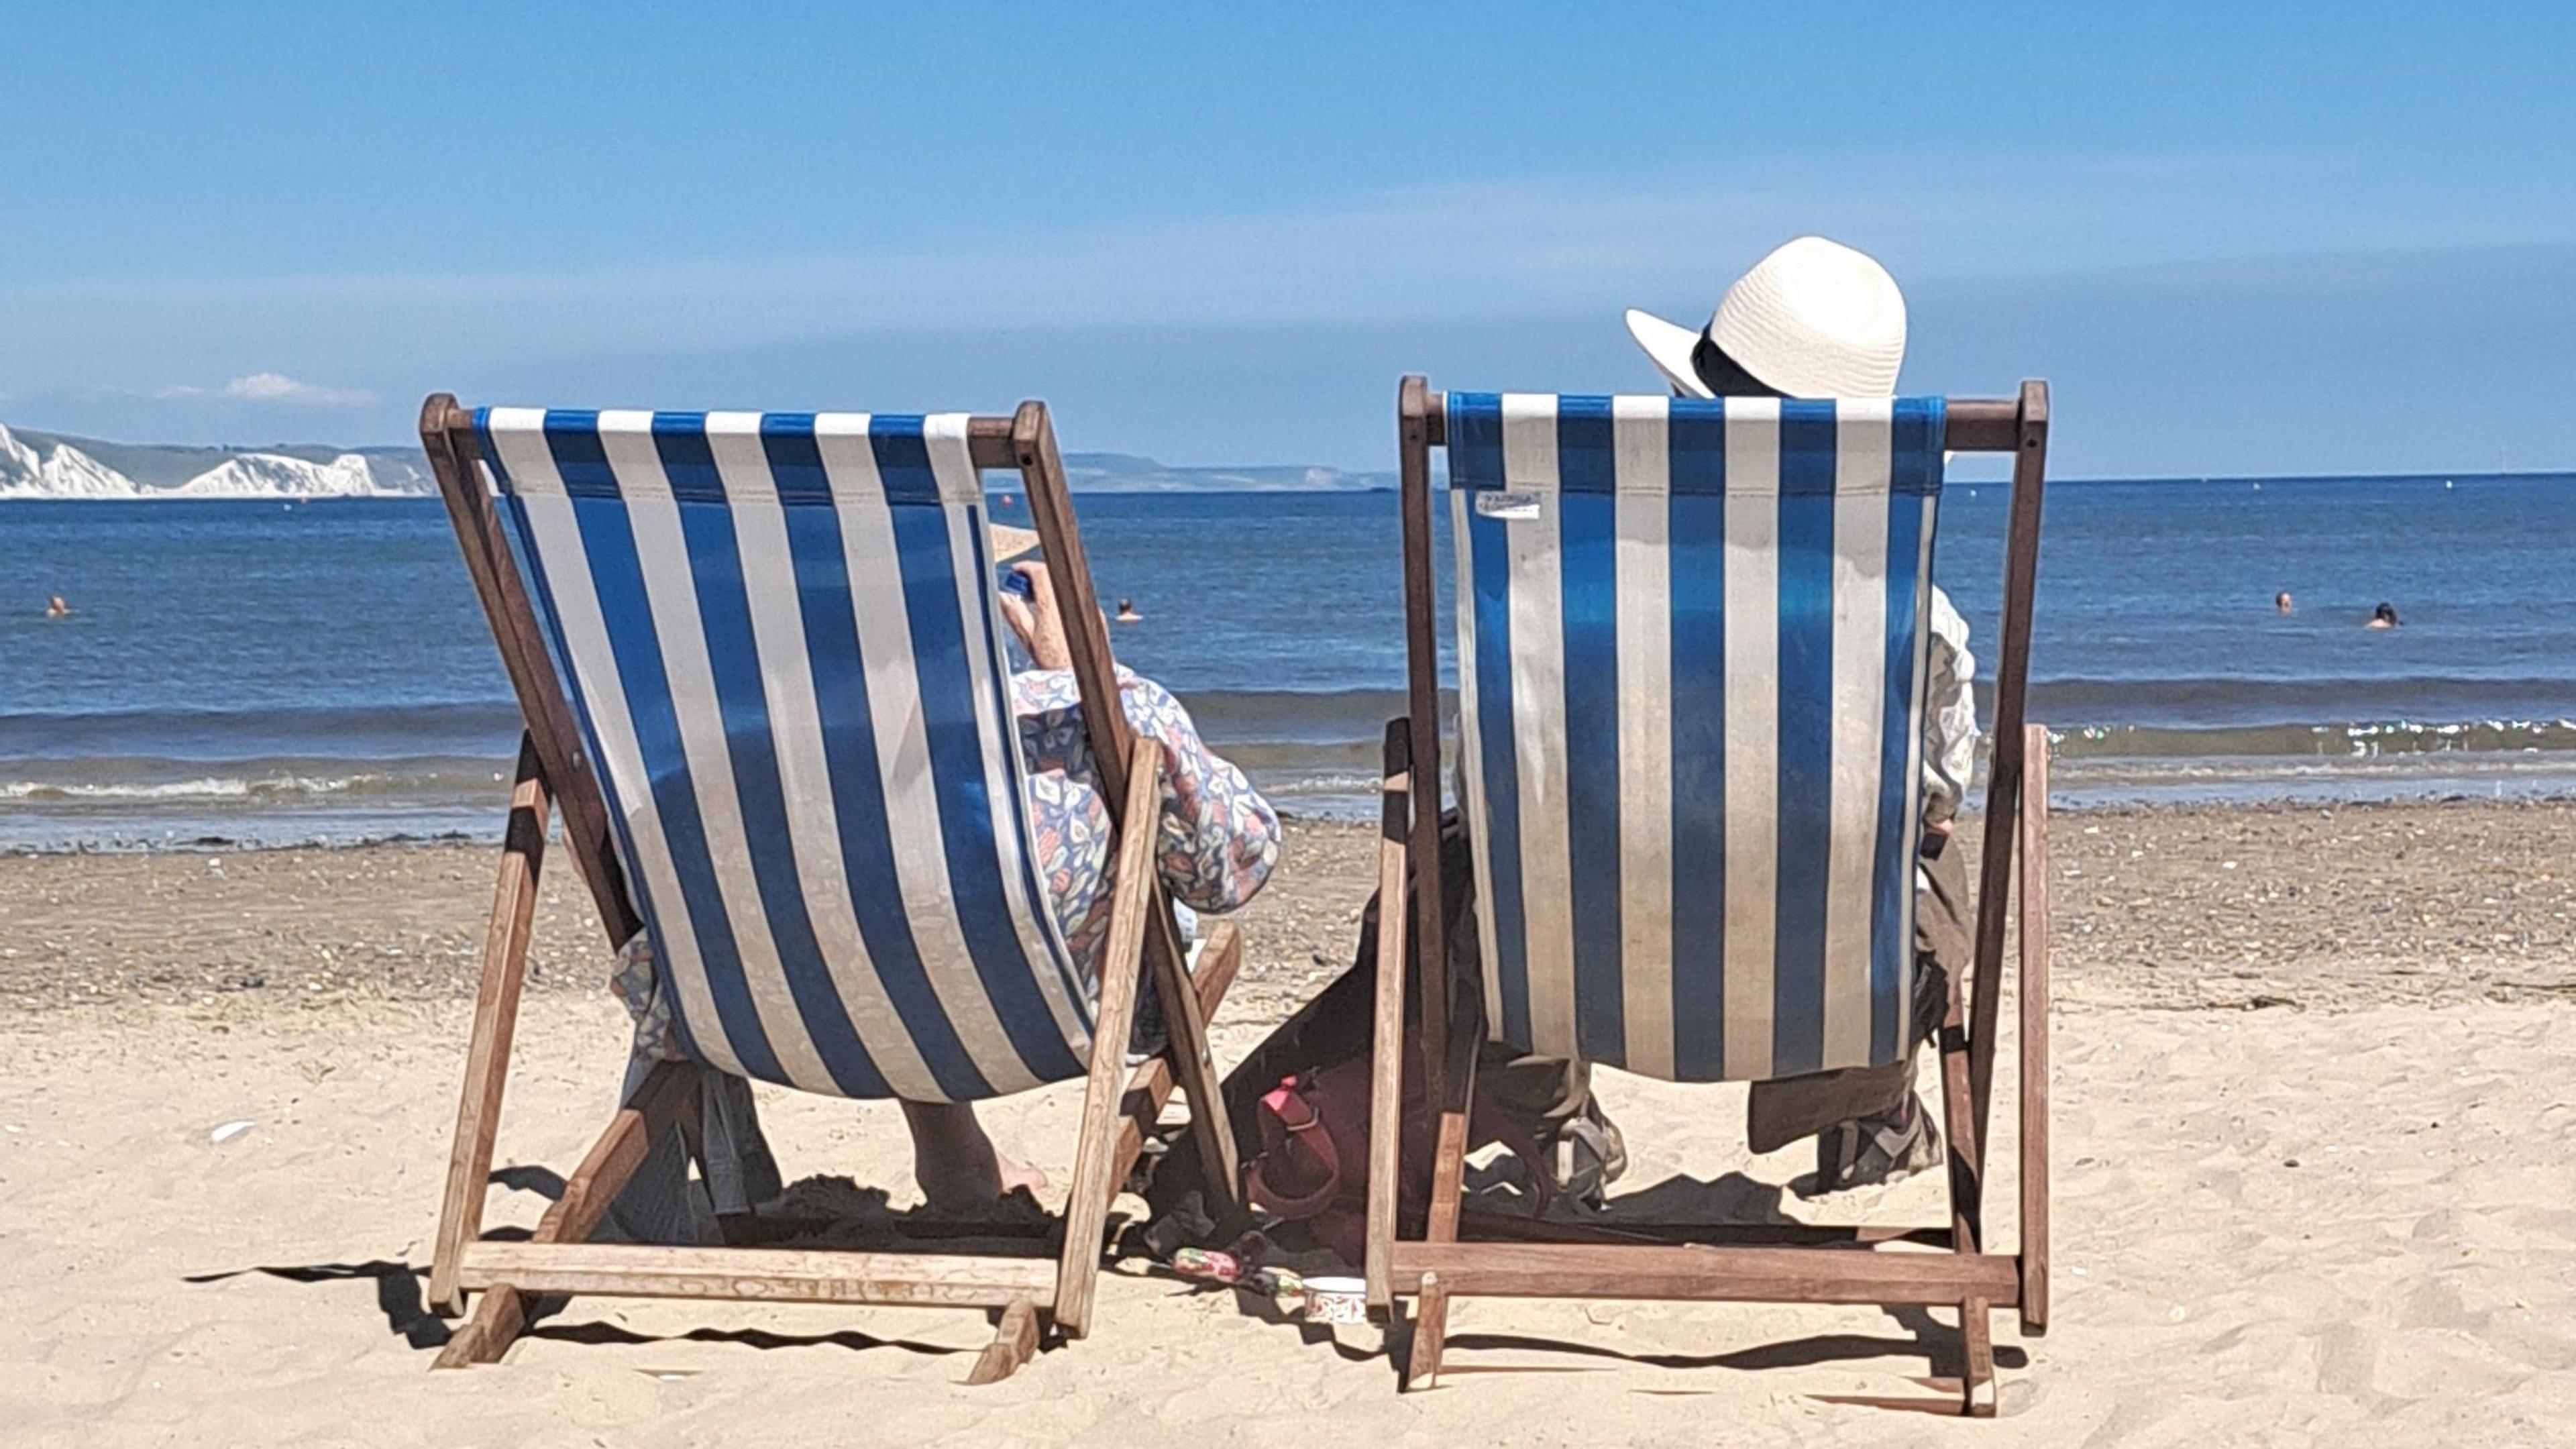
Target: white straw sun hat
[[1813, 319]]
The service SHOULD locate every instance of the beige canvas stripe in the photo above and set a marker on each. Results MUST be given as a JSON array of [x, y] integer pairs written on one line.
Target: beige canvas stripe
[[1471, 755], [1861, 463], [1538, 722], [1642, 556], [1752, 730]]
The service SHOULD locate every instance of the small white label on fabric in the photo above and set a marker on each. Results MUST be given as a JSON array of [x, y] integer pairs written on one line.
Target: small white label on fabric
[[1507, 505]]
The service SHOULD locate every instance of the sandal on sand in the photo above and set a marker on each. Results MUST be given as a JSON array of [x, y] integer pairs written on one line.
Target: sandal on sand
[[1875, 1151]]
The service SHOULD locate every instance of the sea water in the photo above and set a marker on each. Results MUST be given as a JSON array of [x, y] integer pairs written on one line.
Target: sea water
[[264, 672]]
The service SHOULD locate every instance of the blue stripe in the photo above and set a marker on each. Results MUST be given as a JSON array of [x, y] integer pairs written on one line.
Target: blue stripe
[[1695, 519], [733, 658], [1475, 443], [1588, 590], [532, 565], [1915, 458], [956, 752], [850, 745], [1475, 440], [618, 580], [1806, 734]]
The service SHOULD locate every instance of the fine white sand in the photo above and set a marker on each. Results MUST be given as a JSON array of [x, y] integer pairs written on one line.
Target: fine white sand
[[2277, 1226]]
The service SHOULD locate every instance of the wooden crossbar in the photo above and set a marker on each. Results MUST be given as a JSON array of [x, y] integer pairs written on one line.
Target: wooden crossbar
[[1735, 1275], [791, 1275]]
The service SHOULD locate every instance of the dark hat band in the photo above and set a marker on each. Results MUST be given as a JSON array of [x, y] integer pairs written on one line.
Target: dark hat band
[[1723, 375]]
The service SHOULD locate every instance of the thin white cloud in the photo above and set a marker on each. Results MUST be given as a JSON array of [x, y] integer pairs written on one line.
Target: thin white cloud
[[275, 387]]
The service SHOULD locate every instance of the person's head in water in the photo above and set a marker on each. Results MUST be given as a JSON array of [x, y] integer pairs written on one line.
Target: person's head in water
[[2383, 617], [55, 608], [1127, 612], [2281, 601]]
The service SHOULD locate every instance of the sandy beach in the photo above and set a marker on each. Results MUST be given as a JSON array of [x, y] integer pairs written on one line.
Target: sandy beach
[[2316, 1139]]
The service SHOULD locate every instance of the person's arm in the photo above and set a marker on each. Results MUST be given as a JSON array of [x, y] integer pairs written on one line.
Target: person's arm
[[1217, 839], [1949, 718]]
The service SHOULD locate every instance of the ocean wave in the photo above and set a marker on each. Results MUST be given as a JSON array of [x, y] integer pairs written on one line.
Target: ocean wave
[[2212, 701], [2350, 740], [211, 787]]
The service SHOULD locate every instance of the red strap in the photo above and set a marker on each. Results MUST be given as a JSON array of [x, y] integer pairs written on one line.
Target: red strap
[[1286, 1103]]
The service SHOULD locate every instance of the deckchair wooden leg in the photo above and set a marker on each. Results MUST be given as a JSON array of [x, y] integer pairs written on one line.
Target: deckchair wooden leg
[[1977, 1354], [1448, 1174], [1430, 1334], [1193, 1059], [1086, 1211], [500, 1315], [1960, 1127], [1015, 1342], [496, 1017], [1977, 1365], [2034, 1033], [1386, 1046]]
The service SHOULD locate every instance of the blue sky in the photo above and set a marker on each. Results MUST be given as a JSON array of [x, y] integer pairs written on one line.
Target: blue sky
[[2276, 238]]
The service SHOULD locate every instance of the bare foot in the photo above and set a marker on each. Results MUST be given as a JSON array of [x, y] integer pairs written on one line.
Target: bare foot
[[1017, 1175], [955, 1162]]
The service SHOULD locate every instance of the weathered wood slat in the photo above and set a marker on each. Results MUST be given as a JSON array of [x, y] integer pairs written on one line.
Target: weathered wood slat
[[1739, 1275], [793, 1275]]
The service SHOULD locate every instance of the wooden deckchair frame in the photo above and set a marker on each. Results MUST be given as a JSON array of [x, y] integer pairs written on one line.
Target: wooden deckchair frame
[[1771, 1263], [554, 775]]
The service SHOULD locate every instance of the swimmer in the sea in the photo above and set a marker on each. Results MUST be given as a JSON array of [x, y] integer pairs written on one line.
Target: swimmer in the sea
[[55, 608], [2281, 602], [1127, 612], [2383, 617]]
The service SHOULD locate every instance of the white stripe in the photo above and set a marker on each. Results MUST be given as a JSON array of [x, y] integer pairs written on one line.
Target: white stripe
[[1752, 729], [1471, 755], [903, 748], [662, 553], [1861, 465], [1042, 944], [1538, 724], [518, 437], [1640, 435], [804, 766]]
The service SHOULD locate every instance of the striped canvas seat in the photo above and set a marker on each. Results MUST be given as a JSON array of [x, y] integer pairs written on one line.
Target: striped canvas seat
[[1692, 655], [779, 634]]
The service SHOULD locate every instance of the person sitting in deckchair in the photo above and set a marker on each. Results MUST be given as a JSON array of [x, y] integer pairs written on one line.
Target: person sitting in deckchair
[[1819, 319], [1218, 841]]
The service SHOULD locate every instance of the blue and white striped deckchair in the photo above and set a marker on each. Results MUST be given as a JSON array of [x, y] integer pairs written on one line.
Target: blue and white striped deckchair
[[775, 639], [1692, 643], [783, 646]]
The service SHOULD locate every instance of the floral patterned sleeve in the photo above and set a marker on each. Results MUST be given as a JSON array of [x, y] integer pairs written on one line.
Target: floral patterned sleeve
[[1218, 839]]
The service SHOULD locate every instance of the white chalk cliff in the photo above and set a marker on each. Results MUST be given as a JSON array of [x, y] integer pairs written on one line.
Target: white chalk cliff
[[60, 470], [66, 472]]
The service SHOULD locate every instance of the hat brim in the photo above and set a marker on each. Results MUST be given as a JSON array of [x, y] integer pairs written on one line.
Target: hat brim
[[1669, 348], [1010, 542]]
